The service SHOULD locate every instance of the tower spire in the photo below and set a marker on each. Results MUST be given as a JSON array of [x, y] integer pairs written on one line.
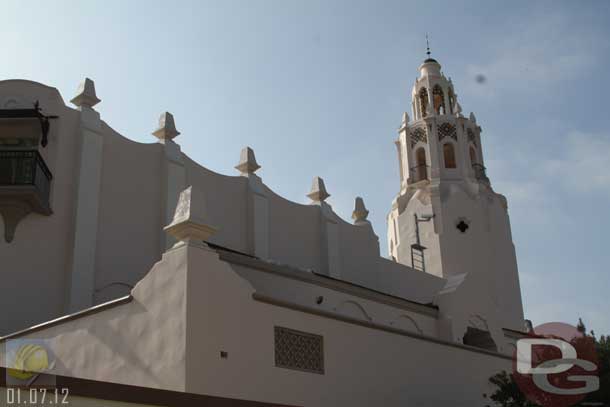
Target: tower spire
[[427, 46]]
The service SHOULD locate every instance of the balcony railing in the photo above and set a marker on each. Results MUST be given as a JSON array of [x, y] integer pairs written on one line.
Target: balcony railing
[[20, 169], [419, 173], [479, 172]]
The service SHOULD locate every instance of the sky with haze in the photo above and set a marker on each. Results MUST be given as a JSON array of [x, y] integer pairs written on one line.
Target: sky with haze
[[319, 87]]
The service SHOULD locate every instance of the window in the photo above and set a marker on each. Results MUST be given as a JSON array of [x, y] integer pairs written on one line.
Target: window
[[423, 101], [449, 155], [451, 100], [480, 339], [471, 137], [439, 99], [420, 171]]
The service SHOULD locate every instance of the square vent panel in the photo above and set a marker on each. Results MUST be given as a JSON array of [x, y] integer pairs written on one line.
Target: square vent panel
[[299, 350]]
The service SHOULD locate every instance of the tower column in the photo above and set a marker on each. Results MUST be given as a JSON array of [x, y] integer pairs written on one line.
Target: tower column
[[175, 173], [82, 279]]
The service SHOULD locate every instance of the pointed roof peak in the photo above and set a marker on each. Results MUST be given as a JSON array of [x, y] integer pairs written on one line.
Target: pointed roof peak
[[360, 212], [85, 94], [318, 191], [247, 162], [428, 57], [167, 127]]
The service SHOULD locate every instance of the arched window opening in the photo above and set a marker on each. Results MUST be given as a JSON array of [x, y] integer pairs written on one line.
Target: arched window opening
[[420, 171], [439, 99], [480, 339], [451, 100], [423, 102], [449, 155], [473, 156]]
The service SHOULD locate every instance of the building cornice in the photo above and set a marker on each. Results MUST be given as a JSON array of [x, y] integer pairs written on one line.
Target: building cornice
[[372, 325], [327, 282]]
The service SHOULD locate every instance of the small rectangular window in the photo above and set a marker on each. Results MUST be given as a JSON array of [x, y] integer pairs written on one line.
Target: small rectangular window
[[299, 350]]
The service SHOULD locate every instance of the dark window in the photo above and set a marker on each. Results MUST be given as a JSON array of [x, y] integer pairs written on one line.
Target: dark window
[[462, 226], [423, 101], [480, 339], [473, 155], [449, 155], [439, 99]]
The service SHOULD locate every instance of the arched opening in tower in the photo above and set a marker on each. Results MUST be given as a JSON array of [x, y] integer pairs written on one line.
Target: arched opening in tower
[[449, 155], [473, 156], [421, 169], [423, 102], [480, 339], [439, 99]]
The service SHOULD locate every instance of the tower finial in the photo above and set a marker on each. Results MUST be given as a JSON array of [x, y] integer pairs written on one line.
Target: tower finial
[[427, 46]]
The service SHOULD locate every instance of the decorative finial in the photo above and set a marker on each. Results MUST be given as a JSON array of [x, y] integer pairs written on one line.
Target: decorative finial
[[188, 226], [457, 108], [405, 118], [473, 118], [360, 212], [318, 190], [427, 46], [247, 162], [167, 127], [85, 94]]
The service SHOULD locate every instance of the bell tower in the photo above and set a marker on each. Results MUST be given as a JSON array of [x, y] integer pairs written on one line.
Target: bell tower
[[447, 220]]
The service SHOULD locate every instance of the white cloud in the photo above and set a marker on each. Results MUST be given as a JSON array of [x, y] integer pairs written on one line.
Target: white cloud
[[531, 56], [584, 164]]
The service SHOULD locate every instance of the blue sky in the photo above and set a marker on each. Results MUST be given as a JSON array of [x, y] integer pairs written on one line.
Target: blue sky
[[318, 88]]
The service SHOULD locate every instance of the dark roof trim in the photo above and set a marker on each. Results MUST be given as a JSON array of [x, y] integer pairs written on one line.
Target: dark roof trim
[[142, 395], [373, 325], [430, 305], [93, 310], [511, 333], [327, 282]]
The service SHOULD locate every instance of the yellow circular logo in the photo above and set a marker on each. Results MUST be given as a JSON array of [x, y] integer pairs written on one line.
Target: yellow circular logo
[[29, 360]]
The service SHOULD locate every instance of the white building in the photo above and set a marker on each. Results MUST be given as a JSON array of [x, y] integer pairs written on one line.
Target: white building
[[138, 266]]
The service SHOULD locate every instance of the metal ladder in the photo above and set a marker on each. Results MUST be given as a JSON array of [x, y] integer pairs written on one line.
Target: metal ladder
[[417, 257]]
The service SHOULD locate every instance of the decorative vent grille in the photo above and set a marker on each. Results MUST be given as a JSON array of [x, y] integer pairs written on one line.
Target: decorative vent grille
[[418, 135], [447, 130], [471, 138], [299, 350]]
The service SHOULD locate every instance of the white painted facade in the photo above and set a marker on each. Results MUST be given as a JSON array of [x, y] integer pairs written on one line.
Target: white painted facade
[[386, 327]]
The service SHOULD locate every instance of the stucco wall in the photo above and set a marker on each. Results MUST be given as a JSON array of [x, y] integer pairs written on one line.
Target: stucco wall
[[101, 252], [35, 266], [142, 342], [363, 366], [193, 305], [130, 214]]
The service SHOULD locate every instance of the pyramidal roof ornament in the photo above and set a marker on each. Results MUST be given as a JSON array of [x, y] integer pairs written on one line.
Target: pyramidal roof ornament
[[318, 191], [457, 108], [360, 212], [167, 127], [189, 225], [247, 162], [473, 118], [85, 94]]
